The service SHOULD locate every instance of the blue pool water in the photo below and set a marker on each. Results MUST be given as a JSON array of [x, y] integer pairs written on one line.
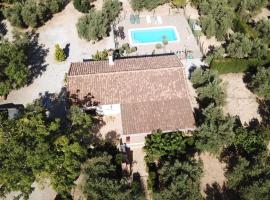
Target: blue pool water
[[153, 35]]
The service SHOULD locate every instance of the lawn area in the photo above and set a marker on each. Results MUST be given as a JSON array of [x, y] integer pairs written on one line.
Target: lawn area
[[235, 65]]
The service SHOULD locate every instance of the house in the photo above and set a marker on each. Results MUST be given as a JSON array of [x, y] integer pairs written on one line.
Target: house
[[146, 93]]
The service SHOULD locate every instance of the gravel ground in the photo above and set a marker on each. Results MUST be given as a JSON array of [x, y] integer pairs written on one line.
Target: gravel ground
[[240, 101]]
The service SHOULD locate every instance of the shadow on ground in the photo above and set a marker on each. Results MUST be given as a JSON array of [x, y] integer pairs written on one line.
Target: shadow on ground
[[36, 56], [55, 103], [217, 192]]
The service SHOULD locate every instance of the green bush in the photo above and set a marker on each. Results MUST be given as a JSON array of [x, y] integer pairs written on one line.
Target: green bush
[[158, 46], [101, 55], [82, 5], [59, 53], [234, 65]]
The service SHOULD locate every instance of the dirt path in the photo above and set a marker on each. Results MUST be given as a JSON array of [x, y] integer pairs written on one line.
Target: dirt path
[[213, 172], [139, 166], [240, 101]]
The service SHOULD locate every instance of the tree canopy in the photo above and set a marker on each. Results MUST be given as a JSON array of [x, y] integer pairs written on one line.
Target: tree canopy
[[35, 146], [96, 24], [14, 70]]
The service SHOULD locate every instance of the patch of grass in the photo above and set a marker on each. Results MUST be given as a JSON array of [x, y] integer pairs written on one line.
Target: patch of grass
[[235, 65]]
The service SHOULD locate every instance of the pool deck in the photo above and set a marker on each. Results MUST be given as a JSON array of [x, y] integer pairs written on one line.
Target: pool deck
[[187, 40]]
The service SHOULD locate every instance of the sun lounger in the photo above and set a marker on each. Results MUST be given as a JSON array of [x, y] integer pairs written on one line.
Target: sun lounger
[[159, 20], [148, 19], [137, 19], [132, 19]]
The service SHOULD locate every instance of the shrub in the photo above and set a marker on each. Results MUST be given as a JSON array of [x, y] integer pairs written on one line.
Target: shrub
[[158, 46], [101, 55], [59, 53], [82, 5]]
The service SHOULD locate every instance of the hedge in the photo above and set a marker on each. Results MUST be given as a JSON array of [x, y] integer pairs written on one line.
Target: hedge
[[235, 65]]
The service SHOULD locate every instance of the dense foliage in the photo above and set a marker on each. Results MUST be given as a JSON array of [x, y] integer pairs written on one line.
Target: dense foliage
[[35, 147], [32, 13], [207, 84], [105, 180], [83, 6], [96, 24], [217, 16], [260, 82], [173, 173], [242, 46], [14, 70]]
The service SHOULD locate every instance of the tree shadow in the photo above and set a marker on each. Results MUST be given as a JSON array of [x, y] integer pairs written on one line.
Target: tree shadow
[[264, 111], [3, 28], [55, 104], [66, 50], [36, 56], [112, 137], [217, 192]]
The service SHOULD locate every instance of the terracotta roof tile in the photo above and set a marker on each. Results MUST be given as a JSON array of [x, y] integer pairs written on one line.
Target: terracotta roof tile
[[152, 91], [124, 64]]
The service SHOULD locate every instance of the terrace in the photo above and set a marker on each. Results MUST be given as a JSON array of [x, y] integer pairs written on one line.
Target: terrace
[[185, 45]]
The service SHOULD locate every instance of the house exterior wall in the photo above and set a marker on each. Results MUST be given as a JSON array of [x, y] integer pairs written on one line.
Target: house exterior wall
[[134, 139]]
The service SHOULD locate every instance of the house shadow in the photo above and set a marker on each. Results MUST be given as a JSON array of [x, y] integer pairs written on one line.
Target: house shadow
[[36, 54], [217, 192]]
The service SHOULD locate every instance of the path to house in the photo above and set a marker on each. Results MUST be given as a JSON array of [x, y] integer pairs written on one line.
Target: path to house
[[139, 166], [240, 101], [213, 172], [60, 29]]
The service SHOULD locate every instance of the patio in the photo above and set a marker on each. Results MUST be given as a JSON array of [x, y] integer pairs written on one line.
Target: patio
[[187, 41]]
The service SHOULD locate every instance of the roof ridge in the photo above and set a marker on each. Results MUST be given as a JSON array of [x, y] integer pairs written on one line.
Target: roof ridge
[[126, 71]]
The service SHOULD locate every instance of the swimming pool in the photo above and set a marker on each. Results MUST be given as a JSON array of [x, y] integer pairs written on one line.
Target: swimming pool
[[144, 36]]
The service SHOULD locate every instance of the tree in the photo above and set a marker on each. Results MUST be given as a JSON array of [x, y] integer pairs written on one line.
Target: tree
[[161, 144], [217, 17], [13, 14], [32, 13], [216, 130], [180, 180], [82, 5], [111, 9], [263, 27], [34, 146], [59, 53], [92, 26], [14, 71], [239, 46], [138, 5], [208, 87], [260, 82]]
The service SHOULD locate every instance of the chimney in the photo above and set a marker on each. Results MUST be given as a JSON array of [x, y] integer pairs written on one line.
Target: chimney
[[111, 62]]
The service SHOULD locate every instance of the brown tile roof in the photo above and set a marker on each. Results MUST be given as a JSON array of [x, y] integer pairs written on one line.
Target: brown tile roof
[[124, 64], [151, 90]]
